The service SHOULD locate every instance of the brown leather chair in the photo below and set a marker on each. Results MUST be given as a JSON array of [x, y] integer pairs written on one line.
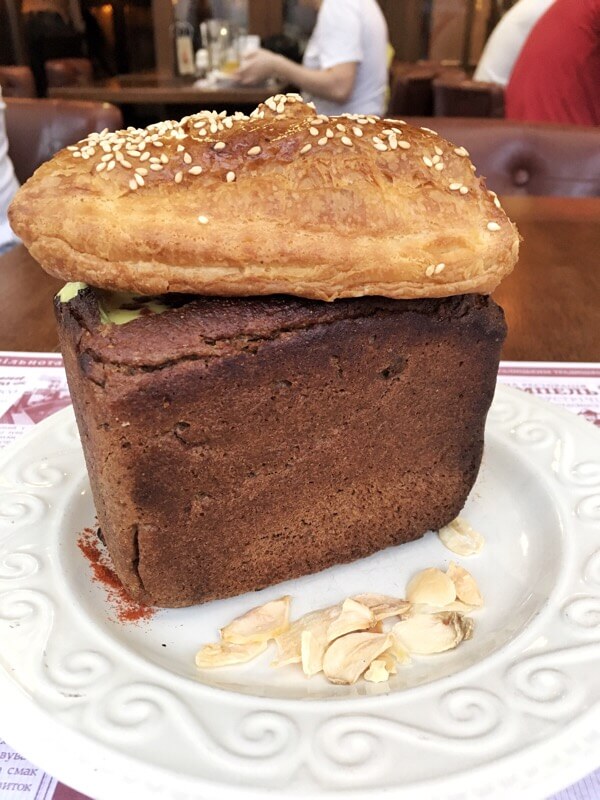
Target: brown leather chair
[[17, 82], [68, 72], [533, 158], [37, 129], [454, 97], [411, 85]]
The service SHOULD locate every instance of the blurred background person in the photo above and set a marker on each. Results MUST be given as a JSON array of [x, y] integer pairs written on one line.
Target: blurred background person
[[54, 29], [344, 69], [8, 186], [557, 76], [506, 42]]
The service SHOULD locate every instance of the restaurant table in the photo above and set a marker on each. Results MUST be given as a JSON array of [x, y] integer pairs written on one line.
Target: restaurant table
[[551, 300], [152, 89], [552, 303]]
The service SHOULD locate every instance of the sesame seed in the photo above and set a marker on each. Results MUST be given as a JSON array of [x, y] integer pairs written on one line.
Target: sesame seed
[[187, 158], [178, 177], [463, 190], [430, 270], [497, 203], [254, 151], [203, 219], [138, 179], [438, 151], [76, 154], [125, 163], [357, 131], [195, 170], [454, 187], [427, 161], [141, 171], [461, 151], [314, 131], [107, 157], [346, 141], [323, 141], [100, 166], [377, 140], [306, 148], [439, 268], [145, 156], [493, 226], [379, 146], [134, 153], [111, 165], [157, 144], [230, 177], [428, 130], [436, 159], [281, 107], [219, 146], [72, 147], [404, 145], [133, 185], [393, 141], [341, 128], [156, 167], [329, 133], [439, 166], [164, 159]]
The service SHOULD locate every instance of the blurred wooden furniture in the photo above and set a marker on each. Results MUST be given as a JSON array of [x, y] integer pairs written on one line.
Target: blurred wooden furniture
[[17, 82], [68, 72], [527, 158], [151, 88], [411, 86], [37, 129], [552, 299], [460, 97]]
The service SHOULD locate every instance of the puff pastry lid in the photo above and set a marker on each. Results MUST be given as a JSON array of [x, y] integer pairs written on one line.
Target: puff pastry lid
[[283, 201]]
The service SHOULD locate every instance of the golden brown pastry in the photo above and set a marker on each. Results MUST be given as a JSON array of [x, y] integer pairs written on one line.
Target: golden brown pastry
[[284, 201]]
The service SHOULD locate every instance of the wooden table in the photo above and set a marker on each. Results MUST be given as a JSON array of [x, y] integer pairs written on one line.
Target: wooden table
[[552, 299], [151, 89]]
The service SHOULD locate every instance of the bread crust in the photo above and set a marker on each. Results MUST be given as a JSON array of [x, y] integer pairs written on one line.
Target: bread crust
[[283, 201]]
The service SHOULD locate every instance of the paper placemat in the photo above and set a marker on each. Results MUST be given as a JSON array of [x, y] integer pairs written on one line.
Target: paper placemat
[[33, 386]]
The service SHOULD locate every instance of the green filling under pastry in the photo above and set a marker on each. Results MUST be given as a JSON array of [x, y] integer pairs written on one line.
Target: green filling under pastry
[[116, 308]]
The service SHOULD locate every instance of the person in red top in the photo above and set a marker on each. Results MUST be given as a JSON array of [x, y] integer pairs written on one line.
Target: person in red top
[[557, 75]]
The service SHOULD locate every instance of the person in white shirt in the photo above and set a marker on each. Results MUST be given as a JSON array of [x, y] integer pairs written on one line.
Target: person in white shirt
[[345, 62], [8, 185], [506, 42]]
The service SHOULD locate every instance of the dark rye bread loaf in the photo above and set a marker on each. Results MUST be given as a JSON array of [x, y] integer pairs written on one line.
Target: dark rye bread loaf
[[235, 443]]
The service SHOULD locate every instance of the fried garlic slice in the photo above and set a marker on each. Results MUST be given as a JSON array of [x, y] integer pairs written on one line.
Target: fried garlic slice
[[459, 537], [353, 617], [224, 654], [383, 605], [260, 624], [313, 644], [377, 672], [467, 589], [349, 656], [432, 587], [425, 634], [289, 643]]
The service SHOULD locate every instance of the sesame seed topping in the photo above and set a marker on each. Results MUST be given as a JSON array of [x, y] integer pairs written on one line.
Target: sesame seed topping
[[329, 133], [138, 179], [436, 159], [111, 165], [454, 187], [195, 170], [156, 167], [427, 161], [203, 219], [379, 146], [461, 151], [156, 143], [164, 159], [497, 203], [141, 171], [180, 148], [438, 151], [404, 145], [219, 146], [439, 268], [134, 153], [428, 130], [463, 190], [178, 177], [230, 177], [323, 141], [346, 141], [124, 163], [493, 226], [306, 148], [145, 156], [76, 154], [254, 151], [341, 128], [430, 270], [133, 185], [107, 157], [357, 131], [100, 166], [314, 131], [187, 158], [439, 166]]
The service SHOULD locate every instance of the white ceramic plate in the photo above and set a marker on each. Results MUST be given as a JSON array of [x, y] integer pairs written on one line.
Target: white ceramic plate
[[119, 710]]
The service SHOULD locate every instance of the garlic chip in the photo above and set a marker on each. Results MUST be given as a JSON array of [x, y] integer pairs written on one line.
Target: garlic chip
[[382, 605], [461, 538], [432, 587], [424, 634], [349, 656], [289, 643], [223, 654], [467, 590], [377, 672], [354, 616], [260, 624]]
